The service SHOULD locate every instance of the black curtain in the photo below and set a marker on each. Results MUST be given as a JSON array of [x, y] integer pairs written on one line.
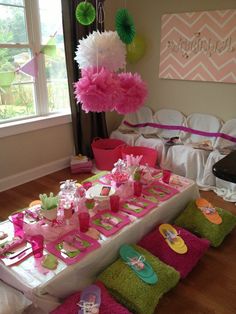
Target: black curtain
[[86, 126]]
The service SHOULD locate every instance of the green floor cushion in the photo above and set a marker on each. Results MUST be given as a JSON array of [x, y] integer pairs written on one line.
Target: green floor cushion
[[131, 291], [194, 220]]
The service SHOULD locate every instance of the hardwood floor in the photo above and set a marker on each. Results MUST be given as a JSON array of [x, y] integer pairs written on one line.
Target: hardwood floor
[[209, 289], [22, 195]]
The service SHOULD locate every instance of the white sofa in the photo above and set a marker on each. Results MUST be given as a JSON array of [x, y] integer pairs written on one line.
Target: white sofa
[[200, 139]]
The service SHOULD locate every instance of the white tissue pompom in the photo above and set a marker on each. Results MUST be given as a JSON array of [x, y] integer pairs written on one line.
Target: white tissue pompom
[[101, 49]]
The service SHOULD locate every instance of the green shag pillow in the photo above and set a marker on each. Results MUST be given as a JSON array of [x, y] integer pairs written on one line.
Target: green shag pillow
[[129, 290], [194, 220]]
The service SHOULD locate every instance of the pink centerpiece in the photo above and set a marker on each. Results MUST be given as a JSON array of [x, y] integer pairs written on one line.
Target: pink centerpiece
[[120, 178], [119, 174]]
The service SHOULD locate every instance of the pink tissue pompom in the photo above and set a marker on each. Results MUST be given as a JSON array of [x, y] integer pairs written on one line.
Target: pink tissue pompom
[[97, 89], [133, 92]]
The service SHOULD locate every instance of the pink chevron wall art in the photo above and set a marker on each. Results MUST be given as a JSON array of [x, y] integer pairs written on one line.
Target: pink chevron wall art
[[199, 46]]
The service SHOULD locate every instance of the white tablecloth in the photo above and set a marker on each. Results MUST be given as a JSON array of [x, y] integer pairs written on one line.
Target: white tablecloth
[[46, 289]]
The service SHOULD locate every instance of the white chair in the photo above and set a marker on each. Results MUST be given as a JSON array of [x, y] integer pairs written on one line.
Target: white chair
[[167, 117], [189, 160], [130, 134], [222, 146]]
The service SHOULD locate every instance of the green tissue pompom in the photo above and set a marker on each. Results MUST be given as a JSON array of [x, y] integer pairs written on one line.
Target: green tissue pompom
[[125, 26], [85, 13]]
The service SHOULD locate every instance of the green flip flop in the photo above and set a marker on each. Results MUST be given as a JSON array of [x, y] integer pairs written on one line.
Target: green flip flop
[[138, 264]]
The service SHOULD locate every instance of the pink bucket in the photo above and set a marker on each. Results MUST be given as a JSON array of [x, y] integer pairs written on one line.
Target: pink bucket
[[149, 154], [106, 152]]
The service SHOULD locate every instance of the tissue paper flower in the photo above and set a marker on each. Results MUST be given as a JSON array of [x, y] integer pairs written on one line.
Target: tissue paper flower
[[97, 89], [133, 92], [125, 26], [101, 49]]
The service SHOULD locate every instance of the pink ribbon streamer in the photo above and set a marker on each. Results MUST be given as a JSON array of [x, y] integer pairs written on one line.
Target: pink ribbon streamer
[[182, 128]]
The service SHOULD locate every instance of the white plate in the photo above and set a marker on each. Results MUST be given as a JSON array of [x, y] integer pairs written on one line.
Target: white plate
[[95, 192]]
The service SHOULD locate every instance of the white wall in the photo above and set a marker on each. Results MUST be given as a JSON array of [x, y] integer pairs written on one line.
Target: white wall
[[186, 96], [26, 156]]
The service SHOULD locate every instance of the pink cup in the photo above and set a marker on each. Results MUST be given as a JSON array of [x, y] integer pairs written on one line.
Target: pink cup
[[166, 174], [36, 242], [138, 187], [18, 223], [114, 203], [84, 219], [68, 212]]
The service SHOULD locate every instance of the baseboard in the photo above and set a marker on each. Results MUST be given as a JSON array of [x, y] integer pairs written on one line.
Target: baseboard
[[32, 174]]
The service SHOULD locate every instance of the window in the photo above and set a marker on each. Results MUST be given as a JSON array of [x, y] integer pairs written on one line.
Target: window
[[33, 79]]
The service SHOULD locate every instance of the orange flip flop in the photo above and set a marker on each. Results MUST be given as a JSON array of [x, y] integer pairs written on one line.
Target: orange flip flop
[[209, 211], [175, 242]]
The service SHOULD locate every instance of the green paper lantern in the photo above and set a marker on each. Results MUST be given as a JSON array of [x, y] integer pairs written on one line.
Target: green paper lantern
[[136, 50], [85, 13], [125, 26]]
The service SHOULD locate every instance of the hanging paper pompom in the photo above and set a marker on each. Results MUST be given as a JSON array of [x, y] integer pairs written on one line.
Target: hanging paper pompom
[[97, 89], [125, 26], [85, 13], [103, 49], [133, 92]]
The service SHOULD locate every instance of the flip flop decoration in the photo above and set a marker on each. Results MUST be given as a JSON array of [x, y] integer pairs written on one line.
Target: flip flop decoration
[[178, 182], [10, 243], [113, 221], [151, 198], [137, 207], [16, 253], [108, 222], [132, 208], [172, 238], [72, 247], [159, 192], [209, 211], [102, 223], [138, 264], [90, 300], [67, 249]]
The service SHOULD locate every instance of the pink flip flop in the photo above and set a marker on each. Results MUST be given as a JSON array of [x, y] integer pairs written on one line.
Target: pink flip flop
[[90, 300]]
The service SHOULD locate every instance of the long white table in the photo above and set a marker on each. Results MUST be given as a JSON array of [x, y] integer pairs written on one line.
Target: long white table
[[45, 290]]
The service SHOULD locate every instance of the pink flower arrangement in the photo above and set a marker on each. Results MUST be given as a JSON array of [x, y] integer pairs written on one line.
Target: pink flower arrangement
[[133, 92], [119, 177]]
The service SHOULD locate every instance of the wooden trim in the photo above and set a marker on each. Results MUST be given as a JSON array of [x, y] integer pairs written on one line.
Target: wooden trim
[[32, 174]]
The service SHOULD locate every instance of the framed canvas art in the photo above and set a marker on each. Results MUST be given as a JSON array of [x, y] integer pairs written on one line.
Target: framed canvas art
[[199, 46]]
